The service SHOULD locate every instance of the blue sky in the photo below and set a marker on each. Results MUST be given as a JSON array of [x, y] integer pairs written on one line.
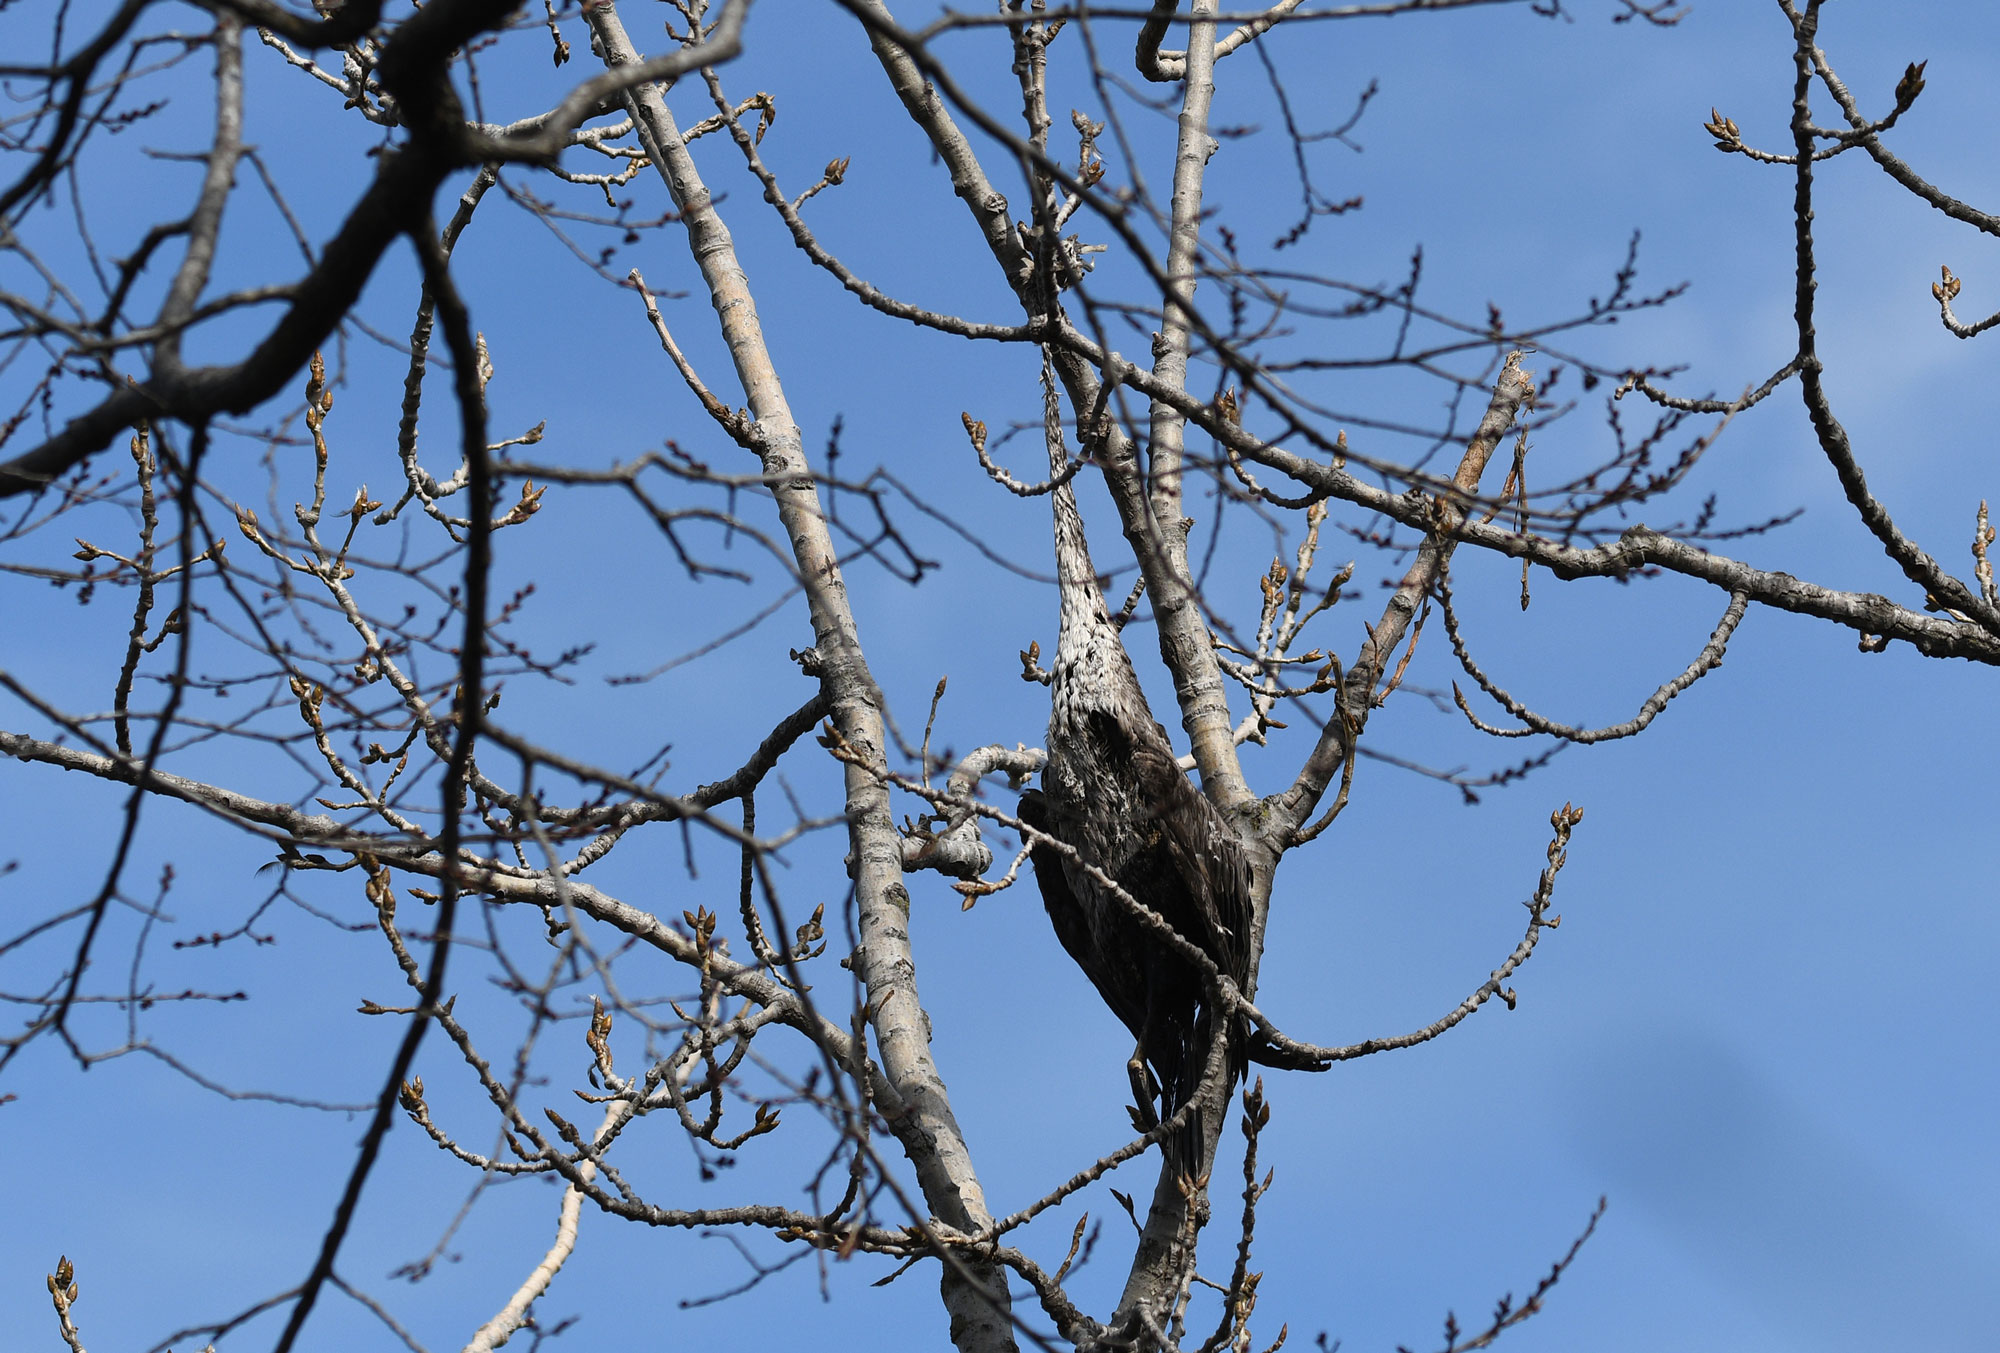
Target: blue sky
[[1763, 1030]]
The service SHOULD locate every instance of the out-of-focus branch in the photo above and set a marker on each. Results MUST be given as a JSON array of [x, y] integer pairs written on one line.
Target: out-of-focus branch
[[721, 42], [339, 25], [412, 68], [404, 181], [76, 73], [205, 223], [468, 387]]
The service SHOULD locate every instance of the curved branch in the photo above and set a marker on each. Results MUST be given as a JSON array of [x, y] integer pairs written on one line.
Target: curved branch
[[1564, 819], [1729, 407], [1944, 291], [403, 185], [724, 41], [1705, 662], [1916, 563], [999, 474], [957, 852], [1865, 135], [339, 27]]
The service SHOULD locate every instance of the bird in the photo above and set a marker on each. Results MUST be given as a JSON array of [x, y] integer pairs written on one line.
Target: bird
[[1113, 792]]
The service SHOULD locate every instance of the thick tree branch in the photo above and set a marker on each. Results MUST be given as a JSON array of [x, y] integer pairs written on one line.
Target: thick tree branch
[[978, 1306]]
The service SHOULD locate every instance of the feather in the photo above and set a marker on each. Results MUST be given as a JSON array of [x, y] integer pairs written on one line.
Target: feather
[[1113, 792]]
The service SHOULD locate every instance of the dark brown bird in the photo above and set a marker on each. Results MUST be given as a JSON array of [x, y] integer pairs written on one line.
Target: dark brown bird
[[1112, 790]]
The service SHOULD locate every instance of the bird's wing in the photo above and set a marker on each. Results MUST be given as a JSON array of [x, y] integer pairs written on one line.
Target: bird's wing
[[1204, 853], [1066, 913]]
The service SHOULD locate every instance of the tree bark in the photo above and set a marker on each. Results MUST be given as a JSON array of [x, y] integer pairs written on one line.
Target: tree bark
[[975, 1292]]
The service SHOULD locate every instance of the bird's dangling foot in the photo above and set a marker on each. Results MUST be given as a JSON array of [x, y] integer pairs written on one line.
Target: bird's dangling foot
[[1145, 1091]]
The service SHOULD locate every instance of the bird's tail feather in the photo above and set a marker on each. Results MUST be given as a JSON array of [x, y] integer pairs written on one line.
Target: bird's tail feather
[[1183, 1147]]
